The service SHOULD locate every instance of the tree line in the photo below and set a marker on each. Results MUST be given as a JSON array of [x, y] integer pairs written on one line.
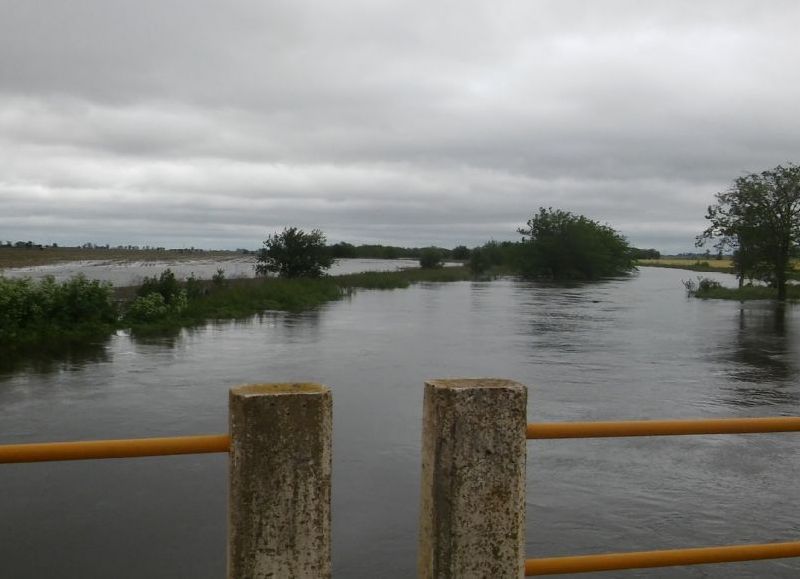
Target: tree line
[[554, 244]]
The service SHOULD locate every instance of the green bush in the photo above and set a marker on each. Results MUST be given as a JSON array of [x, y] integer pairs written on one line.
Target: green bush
[[165, 284], [431, 258], [153, 307], [29, 309]]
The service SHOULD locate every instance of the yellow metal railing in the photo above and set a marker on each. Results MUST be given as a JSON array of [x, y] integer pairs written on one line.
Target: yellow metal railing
[[661, 427], [126, 448], [101, 449], [646, 559]]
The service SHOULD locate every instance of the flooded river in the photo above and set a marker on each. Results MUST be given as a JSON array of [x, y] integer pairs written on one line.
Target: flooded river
[[636, 348], [128, 273]]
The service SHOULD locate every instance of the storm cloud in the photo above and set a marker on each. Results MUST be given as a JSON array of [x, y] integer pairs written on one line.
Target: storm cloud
[[211, 124]]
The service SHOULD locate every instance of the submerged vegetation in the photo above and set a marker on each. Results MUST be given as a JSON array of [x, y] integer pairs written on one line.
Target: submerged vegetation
[[72, 309], [706, 288], [33, 312], [560, 245]]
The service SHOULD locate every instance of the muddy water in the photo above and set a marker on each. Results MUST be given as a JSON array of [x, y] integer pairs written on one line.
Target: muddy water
[[623, 349], [127, 273]]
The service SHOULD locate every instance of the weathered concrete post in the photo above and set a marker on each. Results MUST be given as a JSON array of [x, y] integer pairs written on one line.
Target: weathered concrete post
[[472, 516], [279, 512]]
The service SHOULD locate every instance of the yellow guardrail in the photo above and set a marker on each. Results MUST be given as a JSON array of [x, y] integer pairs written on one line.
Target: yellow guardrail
[[125, 448], [647, 559], [544, 430], [675, 557]]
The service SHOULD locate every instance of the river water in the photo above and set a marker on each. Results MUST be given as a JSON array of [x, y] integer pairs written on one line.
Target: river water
[[636, 348]]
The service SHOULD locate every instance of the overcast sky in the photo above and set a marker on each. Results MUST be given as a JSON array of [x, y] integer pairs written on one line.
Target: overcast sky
[[211, 124]]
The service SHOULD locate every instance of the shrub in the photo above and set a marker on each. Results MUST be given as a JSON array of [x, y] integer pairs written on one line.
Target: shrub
[[702, 286], [47, 307], [153, 307], [218, 279], [431, 258], [165, 284]]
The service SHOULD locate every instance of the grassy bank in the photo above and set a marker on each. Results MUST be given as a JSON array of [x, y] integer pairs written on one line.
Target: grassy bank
[[79, 309]]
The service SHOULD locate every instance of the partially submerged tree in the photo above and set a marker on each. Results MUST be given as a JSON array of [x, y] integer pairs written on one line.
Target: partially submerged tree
[[759, 218], [560, 245], [294, 253], [431, 258]]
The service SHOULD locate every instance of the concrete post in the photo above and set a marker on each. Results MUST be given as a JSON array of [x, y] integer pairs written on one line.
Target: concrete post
[[472, 516], [279, 514]]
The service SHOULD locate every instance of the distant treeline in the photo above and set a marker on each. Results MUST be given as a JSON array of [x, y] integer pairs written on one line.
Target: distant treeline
[[108, 247], [344, 250], [496, 252], [492, 252]]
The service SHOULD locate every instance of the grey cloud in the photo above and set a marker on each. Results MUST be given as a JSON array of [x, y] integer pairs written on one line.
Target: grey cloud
[[399, 122]]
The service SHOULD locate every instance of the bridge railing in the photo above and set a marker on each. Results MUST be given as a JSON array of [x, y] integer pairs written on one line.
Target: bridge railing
[[472, 516], [468, 480], [279, 445]]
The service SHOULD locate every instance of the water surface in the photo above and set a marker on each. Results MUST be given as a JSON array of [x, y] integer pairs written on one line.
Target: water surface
[[624, 349], [127, 273]]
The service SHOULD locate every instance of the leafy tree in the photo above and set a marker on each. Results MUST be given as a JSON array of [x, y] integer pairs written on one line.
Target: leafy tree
[[431, 258], [560, 245], [759, 218], [294, 253]]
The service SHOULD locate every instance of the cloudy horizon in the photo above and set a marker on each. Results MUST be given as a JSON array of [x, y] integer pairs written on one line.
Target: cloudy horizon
[[213, 124]]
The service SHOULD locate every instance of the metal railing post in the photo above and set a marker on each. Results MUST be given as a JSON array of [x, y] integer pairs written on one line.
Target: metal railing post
[[472, 514], [279, 512]]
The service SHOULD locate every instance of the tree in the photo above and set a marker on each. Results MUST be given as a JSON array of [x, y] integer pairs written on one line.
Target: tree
[[294, 253], [460, 252], [431, 258], [560, 245], [759, 218], [479, 261]]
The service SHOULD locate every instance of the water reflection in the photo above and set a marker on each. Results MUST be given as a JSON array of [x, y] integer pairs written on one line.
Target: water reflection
[[53, 356], [761, 357], [163, 338]]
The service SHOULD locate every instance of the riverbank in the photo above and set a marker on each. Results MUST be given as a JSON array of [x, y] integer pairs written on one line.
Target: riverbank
[[77, 310]]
